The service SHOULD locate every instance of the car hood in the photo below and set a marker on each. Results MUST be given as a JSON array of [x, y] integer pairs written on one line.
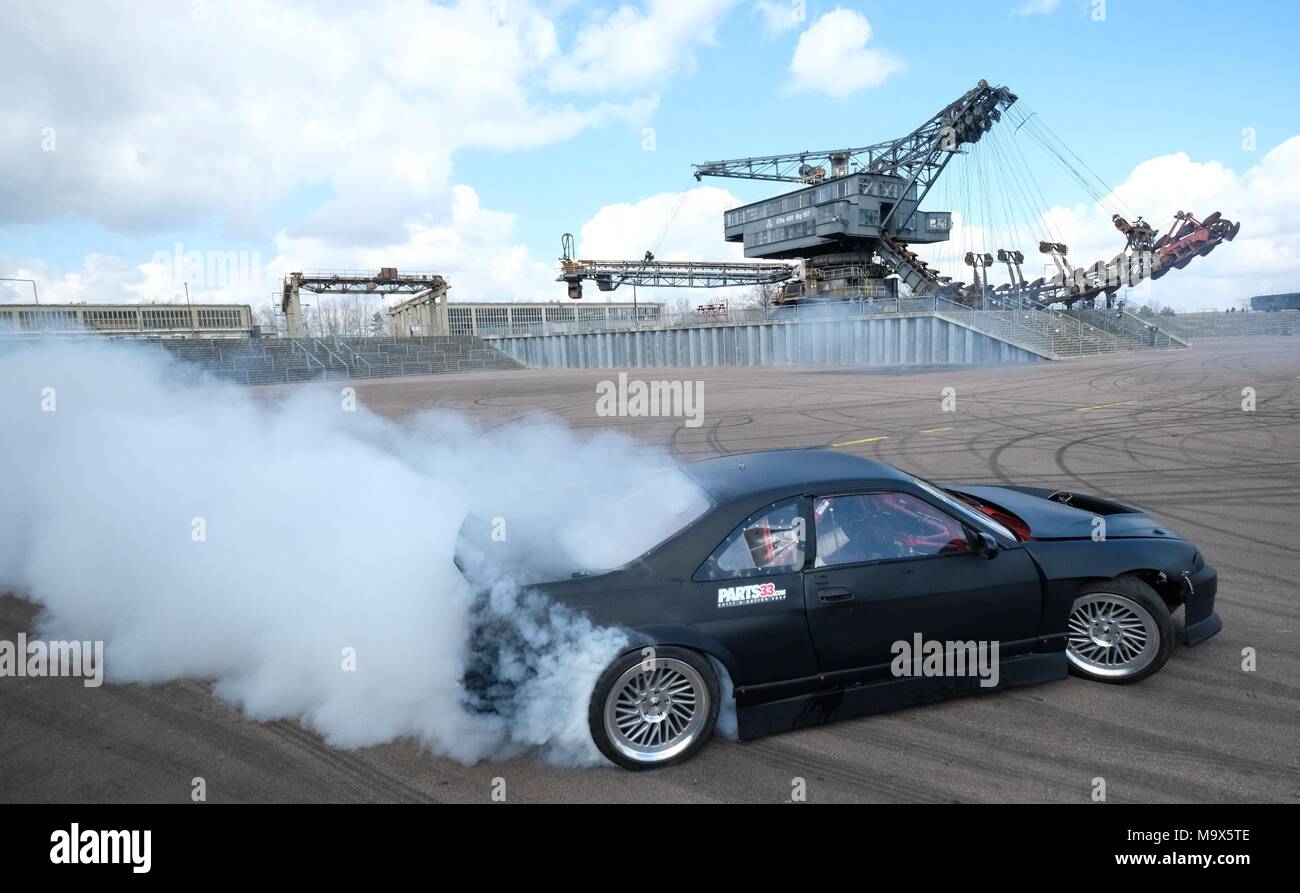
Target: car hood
[[1057, 515]]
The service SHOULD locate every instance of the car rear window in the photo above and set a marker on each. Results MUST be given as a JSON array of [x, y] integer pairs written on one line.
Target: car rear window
[[771, 541]]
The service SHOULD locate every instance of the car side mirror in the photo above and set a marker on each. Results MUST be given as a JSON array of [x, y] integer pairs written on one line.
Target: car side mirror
[[984, 544]]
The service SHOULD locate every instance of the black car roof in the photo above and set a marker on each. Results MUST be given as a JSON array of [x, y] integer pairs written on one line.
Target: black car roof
[[741, 474]]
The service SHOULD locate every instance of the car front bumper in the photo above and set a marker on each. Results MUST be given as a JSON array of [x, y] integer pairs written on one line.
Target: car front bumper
[[1200, 622]]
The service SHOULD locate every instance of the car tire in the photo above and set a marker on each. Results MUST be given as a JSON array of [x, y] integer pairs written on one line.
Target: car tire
[[1119, 631], [653, 710]]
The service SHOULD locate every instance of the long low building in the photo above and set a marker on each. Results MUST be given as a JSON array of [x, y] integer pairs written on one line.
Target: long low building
[[129, 320], [421, 315]]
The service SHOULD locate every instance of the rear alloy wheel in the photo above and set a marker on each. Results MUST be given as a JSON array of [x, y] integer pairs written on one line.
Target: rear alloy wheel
[[1118, 631], [648, 711]]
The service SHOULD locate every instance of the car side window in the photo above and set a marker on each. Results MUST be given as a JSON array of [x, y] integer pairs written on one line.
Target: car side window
[[771, 541], [882, 526]]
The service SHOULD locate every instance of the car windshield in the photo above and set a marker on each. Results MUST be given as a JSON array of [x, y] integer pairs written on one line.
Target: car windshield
[[980, 520]]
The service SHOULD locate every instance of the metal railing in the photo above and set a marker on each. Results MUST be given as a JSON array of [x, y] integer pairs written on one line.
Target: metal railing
[[1046, 330], [298, 345], [332, 355], [1130, 328], [1005, 325], [342, 345]]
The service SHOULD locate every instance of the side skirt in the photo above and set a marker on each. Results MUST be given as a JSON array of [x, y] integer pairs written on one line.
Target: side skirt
[[817, 708]]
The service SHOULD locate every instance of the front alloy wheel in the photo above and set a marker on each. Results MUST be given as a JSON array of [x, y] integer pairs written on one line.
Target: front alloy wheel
[[1119, 631]]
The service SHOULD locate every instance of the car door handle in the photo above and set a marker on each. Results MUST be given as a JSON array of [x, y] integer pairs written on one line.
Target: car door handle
[[833, 595]]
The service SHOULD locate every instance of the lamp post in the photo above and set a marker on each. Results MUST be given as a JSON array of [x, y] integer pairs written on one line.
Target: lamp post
[[194, 325], [36, 296]]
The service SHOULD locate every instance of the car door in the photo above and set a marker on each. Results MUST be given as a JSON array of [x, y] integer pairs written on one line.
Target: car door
[[890, 565], [750, 592]]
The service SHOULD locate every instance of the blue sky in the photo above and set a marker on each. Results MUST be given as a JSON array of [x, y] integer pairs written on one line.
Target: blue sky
[[475, 165], [1117, 92]]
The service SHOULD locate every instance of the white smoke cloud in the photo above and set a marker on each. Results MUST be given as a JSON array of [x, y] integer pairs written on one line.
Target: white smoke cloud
[[322, 530]]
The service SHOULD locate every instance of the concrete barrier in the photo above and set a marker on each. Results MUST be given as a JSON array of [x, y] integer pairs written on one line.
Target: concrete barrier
[[909, 339]]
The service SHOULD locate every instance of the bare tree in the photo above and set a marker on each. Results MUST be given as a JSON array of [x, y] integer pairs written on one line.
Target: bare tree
[[267, 316], [763, 297], [680, 307], [329, 316], [345, 316]]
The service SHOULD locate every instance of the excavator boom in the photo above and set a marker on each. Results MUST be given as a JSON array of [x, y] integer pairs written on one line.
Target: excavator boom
[[610, 274], [920, 156]]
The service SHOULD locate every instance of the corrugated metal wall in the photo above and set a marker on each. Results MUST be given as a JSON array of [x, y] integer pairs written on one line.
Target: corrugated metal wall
[[912, 339]]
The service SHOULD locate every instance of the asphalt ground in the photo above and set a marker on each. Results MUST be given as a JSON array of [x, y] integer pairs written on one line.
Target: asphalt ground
[[1165, 431]]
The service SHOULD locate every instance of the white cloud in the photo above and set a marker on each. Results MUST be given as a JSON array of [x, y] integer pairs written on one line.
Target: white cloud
[[474, 249], [105, 278], [216, 115], [223, 111], [674, 225], [1037, 7], [213, 277], [630, 48], [832, 56], [781, 15], [1265, 199]]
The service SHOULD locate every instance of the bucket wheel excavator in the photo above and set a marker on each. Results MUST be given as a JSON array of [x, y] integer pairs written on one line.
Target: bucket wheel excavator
[[1144, 256], [852, 227]]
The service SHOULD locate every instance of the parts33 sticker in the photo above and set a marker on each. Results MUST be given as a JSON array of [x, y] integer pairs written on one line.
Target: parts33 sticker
[[755, 594]]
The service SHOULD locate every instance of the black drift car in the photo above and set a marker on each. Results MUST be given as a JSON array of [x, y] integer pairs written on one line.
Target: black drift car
[[818, 580]]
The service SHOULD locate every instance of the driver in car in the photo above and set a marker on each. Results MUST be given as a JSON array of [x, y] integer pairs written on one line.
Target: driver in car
[[873, 527], [847, 533]]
